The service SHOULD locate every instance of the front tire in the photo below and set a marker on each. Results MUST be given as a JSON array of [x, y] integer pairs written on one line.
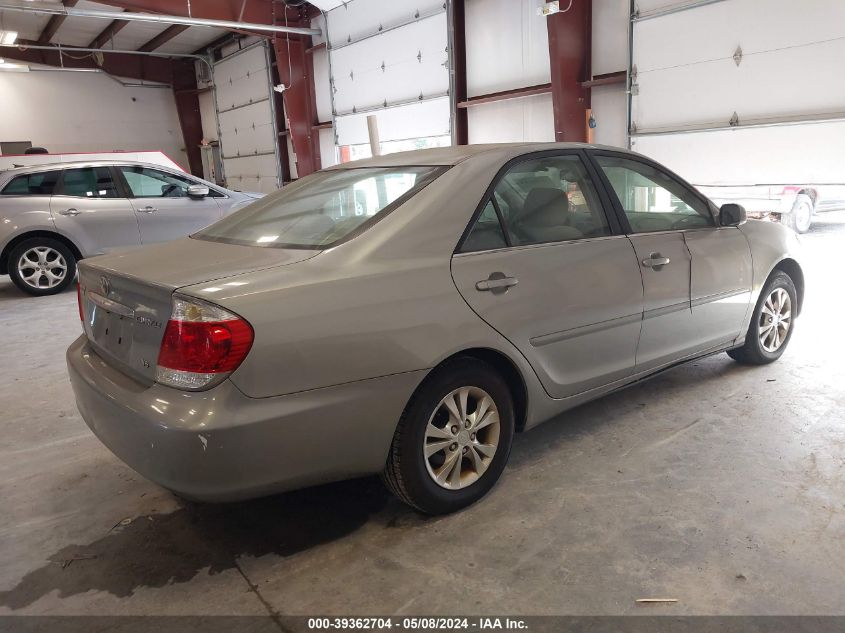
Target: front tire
[[771, 324], [453, 439], [42, 266]]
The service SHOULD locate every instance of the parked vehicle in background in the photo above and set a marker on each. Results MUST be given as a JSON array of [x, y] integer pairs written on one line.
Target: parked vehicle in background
[[794, 206], [406, 314], [53, 215]]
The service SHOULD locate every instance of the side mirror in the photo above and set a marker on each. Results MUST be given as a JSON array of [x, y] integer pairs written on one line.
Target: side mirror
[[732, 214], [198, 191]]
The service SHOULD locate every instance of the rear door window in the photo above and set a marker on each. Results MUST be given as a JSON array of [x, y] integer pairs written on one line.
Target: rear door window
[[41, 183], [89, 182]]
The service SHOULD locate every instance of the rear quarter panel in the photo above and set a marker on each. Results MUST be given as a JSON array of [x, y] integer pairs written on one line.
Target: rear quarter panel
[[382, 304]]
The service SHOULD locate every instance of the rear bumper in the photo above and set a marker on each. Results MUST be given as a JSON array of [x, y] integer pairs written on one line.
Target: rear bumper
[[220, 445]]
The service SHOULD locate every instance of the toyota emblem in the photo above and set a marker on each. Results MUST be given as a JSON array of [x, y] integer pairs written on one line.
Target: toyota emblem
[[105, 285]]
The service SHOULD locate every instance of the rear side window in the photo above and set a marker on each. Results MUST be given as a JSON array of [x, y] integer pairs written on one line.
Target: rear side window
[[89, 182], [486, 233], [540, 201], [39, 184]]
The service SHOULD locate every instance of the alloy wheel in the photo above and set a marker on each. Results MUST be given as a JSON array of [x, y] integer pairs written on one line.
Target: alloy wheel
[[775, 320], [42, 267], [461, 438]]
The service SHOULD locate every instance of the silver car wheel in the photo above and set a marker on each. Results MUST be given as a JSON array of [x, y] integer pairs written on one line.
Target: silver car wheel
[[42, 267], [461, 438], [775, 320], [803, 216]]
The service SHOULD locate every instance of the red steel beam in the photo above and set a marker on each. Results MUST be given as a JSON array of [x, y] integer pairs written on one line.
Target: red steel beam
[[54, 24], [162, 38], [114, 27], [141, 67], [504, 95], [606, 79], [569, 54]]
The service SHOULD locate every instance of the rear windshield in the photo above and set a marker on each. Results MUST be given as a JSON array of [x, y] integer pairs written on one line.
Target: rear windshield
[[322, 210], [38, 184]]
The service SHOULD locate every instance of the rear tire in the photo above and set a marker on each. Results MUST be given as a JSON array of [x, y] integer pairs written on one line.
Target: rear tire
[[801, 218], [453, 439], [771, 324], [42, 266]]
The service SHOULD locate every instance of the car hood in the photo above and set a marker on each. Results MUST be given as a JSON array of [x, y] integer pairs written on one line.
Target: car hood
[[191, 261]]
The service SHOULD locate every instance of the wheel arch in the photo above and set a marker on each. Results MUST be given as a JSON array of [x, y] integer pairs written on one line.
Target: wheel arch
[[505, 367], [4, 256], [793, 269], [812, 194]]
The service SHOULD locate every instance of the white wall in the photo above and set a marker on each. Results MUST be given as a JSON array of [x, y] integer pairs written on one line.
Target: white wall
[[610, 110], [507, 46], [88, 112], [530, 119], [610, 55]]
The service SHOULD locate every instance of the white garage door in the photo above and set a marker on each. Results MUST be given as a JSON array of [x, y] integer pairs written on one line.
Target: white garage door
[[391, 60], [741, 91], [247, 121]]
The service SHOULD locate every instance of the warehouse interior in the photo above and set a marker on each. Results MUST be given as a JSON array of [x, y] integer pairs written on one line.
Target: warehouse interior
[[713, 489]]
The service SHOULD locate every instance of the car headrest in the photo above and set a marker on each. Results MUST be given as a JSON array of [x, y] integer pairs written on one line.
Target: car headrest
[[545, 206]]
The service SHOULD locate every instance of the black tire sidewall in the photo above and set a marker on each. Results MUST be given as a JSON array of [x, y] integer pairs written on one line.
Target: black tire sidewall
[[779, 280], [34, 242], [425, 493]]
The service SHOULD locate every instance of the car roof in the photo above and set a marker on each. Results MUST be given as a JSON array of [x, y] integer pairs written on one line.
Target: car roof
[[81, 163], [447, 156]]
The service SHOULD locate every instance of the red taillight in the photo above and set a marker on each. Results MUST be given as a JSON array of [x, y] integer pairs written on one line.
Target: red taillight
[[205, 347], [201, 342], [79, 301]]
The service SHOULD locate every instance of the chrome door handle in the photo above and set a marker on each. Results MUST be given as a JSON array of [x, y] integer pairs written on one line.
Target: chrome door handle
[[148, 210], [71, 212], [496, 282], [656, 261]]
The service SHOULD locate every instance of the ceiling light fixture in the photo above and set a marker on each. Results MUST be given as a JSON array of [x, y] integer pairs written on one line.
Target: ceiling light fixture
[[13, 68], [7, 38]]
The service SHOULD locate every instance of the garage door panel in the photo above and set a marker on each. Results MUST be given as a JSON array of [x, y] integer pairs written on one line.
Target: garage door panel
[[414, 59], [806, 154], [784, 90], [364, 18], [416, 120], [711, 92], [714, 31], [686, 73], [247, 130], [242, 78], [252, 173], [245, 114]]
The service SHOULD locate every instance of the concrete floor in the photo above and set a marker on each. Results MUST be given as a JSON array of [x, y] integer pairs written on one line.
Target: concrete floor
[[718, 485]]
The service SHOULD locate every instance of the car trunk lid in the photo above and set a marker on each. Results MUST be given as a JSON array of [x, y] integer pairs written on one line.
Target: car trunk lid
[[126, 296]]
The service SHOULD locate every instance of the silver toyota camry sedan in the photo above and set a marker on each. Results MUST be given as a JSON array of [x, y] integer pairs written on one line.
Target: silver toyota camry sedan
[[407, 315], [51, 216]]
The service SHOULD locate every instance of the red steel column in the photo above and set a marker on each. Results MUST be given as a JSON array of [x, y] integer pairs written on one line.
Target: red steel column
[[188, 108], [294, 65], [459, 66], [569, 53]]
